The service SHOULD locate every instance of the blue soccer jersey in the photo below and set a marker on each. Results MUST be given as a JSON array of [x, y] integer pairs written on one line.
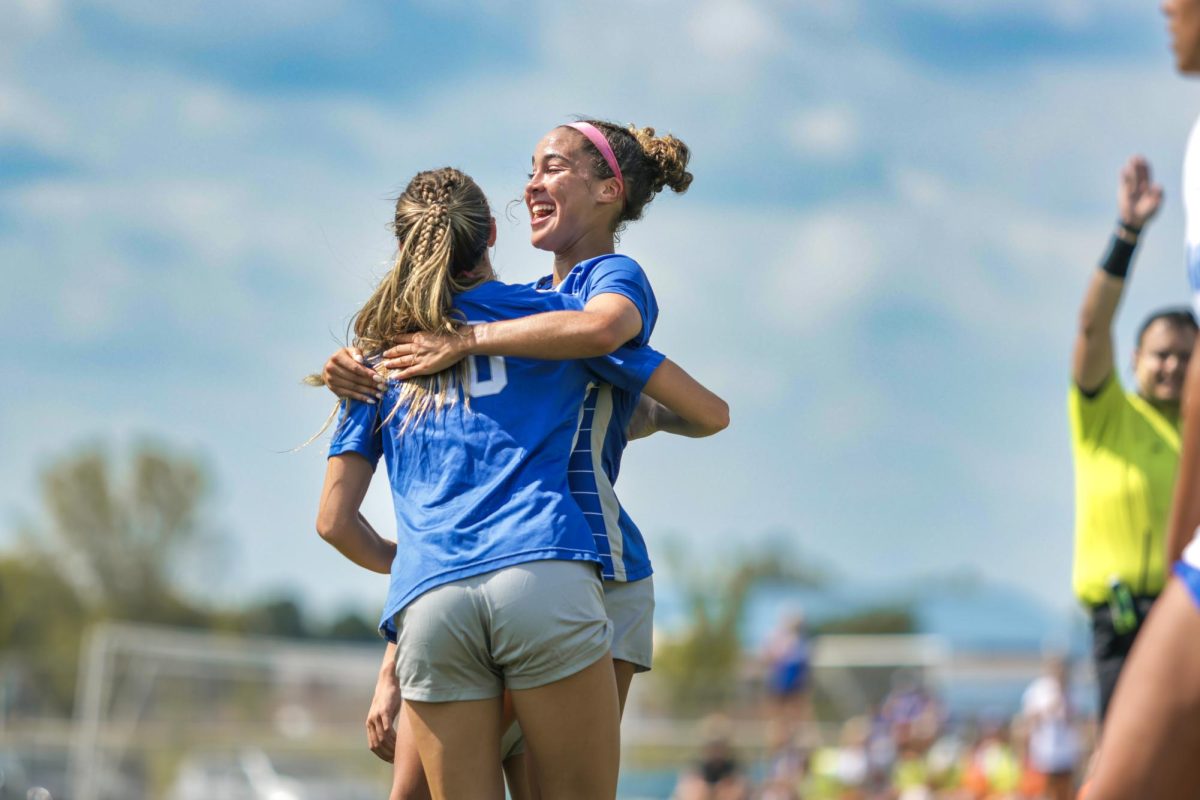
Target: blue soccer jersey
[[596, 461], [482, 488]]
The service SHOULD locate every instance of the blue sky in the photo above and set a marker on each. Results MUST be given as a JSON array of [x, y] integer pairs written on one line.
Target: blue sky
[[895, 211]]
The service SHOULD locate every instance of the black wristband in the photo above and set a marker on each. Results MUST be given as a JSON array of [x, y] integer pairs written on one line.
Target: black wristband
[[1118, 258]]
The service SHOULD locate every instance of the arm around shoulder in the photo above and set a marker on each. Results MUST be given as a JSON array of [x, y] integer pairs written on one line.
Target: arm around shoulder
[[605, 323], [684, 406]]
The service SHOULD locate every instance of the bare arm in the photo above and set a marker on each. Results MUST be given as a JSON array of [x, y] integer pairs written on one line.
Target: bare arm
[[339, 522], [675, 402], [381, 718], [1185, 510], [1092, 361], [605, 323], [1138, 200]]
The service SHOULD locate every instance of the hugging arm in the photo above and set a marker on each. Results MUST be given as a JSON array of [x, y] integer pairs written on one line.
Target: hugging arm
[[339, 522], [675, 402], [605, 323]]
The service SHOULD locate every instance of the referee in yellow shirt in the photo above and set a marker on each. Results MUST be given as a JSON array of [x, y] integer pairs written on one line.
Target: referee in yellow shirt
[[1126, 445]]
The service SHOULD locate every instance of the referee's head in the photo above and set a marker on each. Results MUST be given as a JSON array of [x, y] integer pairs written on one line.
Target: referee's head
[[1164, 346]]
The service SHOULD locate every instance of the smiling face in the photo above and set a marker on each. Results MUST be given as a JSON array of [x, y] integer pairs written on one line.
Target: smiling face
[[1183, 23], [1160, 362], [567, 204]]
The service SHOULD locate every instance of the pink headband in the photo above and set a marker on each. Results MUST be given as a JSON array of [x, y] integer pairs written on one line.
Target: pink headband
[[597, 138]]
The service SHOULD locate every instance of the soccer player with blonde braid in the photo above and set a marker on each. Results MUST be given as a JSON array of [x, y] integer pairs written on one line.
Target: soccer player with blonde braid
[[589, 180], [494, 579]]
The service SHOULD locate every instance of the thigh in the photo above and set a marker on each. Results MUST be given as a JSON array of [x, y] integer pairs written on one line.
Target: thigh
[[408, 775], [458, 743], [1150, 738], [519, 778], [624, 672], [572, 732]]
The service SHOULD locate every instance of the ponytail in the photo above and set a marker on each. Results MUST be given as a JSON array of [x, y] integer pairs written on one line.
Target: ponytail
[[442, 225]]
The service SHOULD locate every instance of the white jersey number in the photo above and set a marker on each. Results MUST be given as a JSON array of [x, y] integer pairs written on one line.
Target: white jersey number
[[493, 384], [497, 374]]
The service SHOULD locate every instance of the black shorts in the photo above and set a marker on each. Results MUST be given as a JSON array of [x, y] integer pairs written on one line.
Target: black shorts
[[1110, 649]]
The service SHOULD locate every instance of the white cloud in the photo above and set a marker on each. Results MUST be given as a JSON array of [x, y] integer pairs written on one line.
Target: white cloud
[[829, 260], [28, 120], [227, 20], [34, 17], [731, 29], [829, 132], [1067, 14]]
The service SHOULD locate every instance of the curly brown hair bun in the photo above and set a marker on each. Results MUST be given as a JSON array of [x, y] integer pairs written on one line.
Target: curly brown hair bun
[[669, 155], [649, 163]]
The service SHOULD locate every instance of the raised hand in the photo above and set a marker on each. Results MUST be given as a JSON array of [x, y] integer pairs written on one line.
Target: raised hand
[[1138, 197]]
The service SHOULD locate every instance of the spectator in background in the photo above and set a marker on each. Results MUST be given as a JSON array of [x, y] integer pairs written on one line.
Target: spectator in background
[[1126, 445], [992, 771], [717, 775], [910, 709], [1052, 741], [786, 765], [787, 656]]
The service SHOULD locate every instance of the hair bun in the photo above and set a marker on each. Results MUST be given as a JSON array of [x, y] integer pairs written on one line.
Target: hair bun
[[669, 156]]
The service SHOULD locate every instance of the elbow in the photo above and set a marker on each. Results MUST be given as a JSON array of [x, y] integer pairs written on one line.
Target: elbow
[[721, 418], [330, 527], [602, 341], [600, 335], [716, 420]]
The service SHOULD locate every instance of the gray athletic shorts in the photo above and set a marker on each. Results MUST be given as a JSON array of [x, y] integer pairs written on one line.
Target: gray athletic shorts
[[630, 606], [512, 743], [518, 627]]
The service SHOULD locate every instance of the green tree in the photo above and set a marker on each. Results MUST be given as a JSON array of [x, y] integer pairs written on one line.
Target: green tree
[[119, 539], [896, 618], [352, 626], [41, 618], [107, 545], [699, 669]]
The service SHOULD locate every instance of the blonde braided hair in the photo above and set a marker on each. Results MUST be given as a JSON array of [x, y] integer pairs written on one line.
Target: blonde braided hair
[[442, 225]]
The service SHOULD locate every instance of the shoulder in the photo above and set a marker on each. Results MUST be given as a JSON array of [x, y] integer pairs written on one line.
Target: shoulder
[[1095, 415], [495, 300], [610, 264], [614, 273], [1109, 393]]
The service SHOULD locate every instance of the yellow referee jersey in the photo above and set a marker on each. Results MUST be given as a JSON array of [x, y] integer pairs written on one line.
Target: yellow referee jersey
[[1126, 456]]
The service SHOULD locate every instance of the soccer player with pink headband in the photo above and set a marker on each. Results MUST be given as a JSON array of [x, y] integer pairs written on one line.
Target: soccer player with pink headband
[[590, 179]]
